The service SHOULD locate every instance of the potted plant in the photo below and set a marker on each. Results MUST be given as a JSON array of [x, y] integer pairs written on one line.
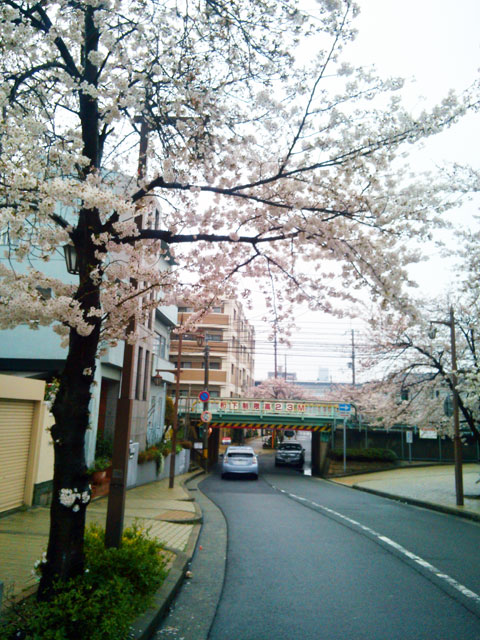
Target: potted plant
[[98, 470]]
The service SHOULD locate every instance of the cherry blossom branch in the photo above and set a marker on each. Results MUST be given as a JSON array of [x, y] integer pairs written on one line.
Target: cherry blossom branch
[[312, 94]]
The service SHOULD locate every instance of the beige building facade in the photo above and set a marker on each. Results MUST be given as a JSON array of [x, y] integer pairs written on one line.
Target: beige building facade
[[230, 339], [26, 451]]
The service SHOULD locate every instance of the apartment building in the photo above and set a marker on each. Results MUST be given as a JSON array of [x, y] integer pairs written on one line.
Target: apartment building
[[231, 344]]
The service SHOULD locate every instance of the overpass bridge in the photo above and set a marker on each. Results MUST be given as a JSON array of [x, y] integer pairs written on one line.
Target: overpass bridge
[[253, 413]]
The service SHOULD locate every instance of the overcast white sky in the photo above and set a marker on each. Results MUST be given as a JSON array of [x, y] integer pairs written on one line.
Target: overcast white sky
[[438, 43]]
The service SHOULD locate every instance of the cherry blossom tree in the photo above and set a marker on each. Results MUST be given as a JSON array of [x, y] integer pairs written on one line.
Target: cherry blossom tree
[[135, 129], [410, 360], [281, 389]]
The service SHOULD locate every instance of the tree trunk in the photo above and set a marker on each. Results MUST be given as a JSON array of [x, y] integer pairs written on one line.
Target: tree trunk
[[71, 488], [71, 484]]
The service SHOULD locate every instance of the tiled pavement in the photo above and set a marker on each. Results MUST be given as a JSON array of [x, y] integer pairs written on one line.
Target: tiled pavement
[[433, 485], [170, 515]]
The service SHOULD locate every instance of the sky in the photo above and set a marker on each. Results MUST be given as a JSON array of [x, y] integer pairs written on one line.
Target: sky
[[436, 45]]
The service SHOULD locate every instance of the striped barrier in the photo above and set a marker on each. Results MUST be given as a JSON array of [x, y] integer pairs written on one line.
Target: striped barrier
[[261, 425]]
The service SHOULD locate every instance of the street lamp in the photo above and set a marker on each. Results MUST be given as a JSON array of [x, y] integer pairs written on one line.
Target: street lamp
[[71, 258], [157, 378], [457, 443]]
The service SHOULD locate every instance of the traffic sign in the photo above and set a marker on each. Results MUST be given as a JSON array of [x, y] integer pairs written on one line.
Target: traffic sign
[[206, 416], [204, 396], [344, 408], [428, 432]]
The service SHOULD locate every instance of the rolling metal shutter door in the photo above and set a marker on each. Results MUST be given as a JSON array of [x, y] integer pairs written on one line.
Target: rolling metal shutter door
[[15, 432]]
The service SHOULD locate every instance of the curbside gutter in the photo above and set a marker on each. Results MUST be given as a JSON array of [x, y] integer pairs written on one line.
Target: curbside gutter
[[454, 511], [146, 624]]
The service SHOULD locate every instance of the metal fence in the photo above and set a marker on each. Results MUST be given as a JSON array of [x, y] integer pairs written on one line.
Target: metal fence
[[437, 450]]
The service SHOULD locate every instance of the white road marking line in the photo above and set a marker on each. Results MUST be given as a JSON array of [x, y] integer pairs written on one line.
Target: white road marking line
[[465, 591]]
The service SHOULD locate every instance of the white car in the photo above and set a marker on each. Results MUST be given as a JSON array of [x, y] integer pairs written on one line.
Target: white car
[[240, 460]]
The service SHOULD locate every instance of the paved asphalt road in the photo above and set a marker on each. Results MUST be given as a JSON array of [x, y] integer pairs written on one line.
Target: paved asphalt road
[[307, 559]]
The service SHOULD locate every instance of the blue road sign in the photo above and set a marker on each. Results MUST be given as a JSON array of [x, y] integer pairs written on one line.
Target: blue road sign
[[344, 408], [204, 396]]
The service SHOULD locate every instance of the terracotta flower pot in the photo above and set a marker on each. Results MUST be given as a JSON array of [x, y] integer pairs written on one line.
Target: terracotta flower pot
[[99, 477]]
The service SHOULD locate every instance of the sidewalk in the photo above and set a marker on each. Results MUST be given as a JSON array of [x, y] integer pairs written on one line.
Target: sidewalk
[[432, 487], [171, 514]]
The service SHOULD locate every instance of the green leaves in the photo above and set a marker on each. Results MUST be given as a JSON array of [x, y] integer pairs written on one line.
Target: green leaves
[[102, 603]]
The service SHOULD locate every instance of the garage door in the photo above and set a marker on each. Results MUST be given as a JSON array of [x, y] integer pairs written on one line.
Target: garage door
[[15, 432]]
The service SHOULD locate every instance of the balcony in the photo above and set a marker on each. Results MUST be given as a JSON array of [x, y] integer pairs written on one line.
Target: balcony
[[209, 320], [190, 347], [195, 376]]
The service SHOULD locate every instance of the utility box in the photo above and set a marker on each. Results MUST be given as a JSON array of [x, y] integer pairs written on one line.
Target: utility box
[[133, 464]]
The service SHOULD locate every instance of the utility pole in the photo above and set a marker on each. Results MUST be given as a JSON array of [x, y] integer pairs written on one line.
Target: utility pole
[[275, 362], [353, 357], [123, 420], [171, 479], [457, 443], [205, 404]]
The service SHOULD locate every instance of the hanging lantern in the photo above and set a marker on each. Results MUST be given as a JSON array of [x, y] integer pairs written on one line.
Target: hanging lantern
[[71, 258]]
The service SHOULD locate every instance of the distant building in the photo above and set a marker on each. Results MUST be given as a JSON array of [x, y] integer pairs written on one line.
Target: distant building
[[290, 376], [323, 375], [317, 389], [231, 342]]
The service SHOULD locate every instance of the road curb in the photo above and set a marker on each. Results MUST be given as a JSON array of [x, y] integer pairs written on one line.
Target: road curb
[[454, 511], [146, 624]]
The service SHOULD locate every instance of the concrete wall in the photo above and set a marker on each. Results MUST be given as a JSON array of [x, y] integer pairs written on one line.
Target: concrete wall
[[22, 342]]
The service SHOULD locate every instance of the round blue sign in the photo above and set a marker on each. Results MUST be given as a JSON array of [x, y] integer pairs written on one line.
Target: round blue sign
[[204, 396]]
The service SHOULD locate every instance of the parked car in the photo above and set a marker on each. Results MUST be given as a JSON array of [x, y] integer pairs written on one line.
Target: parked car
[[290, 453], [239, 460]]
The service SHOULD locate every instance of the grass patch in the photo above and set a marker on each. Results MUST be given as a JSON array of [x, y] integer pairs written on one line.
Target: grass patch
[[118, 584]]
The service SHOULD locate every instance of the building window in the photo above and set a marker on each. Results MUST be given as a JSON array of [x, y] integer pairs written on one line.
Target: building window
[[160, 346], [138, 382], [146, 375], [186, 364], [214, 394], [183, 393], [185, 309], [217, 309], [214, 337]]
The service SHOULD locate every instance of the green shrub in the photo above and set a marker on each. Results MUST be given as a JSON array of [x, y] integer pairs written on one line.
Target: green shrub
[[100, 464], [101, 604], [157, 452], [368, 455], [103, 446], [169, 410]]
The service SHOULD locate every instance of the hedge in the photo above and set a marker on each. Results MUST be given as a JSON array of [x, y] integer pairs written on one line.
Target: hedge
[[366, 455]]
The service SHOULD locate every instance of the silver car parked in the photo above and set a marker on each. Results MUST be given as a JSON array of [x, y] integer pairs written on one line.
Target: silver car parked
[[241, 460]]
